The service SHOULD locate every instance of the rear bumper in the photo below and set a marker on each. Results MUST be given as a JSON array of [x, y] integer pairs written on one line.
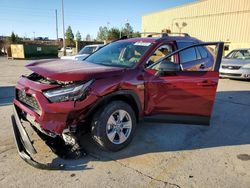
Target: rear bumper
[[24, 145]]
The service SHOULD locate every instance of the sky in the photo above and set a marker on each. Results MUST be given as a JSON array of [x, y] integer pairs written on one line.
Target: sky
[[29, 18]]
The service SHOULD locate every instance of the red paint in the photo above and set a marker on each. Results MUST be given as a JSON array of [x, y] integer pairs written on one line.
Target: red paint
[[183, 93], [68, 70], [190, 93]]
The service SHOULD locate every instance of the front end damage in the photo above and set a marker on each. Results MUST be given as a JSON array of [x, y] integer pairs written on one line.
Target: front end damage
[[65, 146], [57, 124], [24, 144], [57, 101]]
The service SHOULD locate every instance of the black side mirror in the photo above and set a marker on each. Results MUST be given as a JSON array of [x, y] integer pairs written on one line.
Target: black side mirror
[[168, 66]]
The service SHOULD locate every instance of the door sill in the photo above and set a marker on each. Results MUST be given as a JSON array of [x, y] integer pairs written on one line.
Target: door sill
[[179, 119]]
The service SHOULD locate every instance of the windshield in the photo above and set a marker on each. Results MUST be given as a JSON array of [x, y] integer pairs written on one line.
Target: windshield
[[239, 54], [120, 54], [87, 50]]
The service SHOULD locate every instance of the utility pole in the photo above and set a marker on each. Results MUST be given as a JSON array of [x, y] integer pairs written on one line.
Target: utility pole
[[56, 26], [64, 46]]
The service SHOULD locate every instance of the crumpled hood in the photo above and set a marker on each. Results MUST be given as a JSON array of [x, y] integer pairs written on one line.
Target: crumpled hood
[[234, 62], [69, 70]]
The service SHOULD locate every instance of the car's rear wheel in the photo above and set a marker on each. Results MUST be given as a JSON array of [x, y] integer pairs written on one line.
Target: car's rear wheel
[[113, 126]]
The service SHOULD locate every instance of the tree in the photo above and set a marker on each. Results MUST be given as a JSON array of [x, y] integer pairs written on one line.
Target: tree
[[78, 36], [127, 30], [69, 36], [13, 38], [102, 33], [88, 38], [113, 34], [137, 34]]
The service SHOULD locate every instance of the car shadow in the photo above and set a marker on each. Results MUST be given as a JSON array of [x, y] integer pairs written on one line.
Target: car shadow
[[229, 127], [7, 94]]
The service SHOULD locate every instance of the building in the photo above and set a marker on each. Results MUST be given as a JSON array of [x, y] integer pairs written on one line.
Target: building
[[208, 20]]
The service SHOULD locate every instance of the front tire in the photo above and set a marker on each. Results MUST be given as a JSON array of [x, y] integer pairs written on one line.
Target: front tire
[[114, 125]]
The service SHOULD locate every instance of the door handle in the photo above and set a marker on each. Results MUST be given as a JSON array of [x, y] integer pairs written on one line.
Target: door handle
[[206, 83], [202, 66]]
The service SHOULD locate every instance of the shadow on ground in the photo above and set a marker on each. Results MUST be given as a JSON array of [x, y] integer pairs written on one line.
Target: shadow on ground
[[7, 94], [229, 127]]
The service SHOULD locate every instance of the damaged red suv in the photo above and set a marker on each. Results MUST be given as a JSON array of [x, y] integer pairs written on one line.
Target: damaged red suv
[[168, 78]]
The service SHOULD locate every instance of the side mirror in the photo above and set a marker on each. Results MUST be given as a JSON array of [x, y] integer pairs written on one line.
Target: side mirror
[[168, 66]]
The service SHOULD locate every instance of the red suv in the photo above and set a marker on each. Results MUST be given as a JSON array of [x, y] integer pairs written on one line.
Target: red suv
[[169, 78]]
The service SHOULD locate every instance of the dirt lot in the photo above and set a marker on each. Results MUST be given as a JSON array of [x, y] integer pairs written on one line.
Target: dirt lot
[[161, 155]]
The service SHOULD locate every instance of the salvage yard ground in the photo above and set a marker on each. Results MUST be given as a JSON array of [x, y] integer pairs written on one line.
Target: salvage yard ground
[[161, 155]]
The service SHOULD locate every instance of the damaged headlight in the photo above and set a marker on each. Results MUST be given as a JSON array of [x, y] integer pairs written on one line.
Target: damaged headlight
[[72, 92]]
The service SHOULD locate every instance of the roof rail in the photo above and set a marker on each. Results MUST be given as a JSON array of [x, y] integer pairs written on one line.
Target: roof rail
[[151, 34], [183, 34], [163, 35]]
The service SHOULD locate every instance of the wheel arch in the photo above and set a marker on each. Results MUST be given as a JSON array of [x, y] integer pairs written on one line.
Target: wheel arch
[[128, 96]]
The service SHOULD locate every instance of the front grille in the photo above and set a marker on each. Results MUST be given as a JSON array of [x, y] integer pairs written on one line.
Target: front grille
[[28, 100], [230, 74], [231, 67]]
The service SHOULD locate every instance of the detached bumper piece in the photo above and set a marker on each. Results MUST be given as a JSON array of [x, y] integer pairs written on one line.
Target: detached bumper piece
[[25, 147]]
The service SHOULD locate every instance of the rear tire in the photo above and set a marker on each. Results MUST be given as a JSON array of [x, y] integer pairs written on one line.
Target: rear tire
[[113, 126]]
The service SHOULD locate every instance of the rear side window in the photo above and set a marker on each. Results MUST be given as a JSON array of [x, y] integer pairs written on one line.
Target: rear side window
[[187, 55], [202, 51]]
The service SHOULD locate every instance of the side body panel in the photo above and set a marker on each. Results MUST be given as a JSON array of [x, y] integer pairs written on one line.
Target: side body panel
[[189, 93]]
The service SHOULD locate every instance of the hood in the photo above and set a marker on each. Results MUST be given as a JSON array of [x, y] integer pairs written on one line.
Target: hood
[[234, 62], [69, 70]]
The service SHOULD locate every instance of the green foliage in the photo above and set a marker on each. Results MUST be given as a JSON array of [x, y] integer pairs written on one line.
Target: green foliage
[[88, 38], [137, 34], [13, 38], [69, 36], [78, 36], [113, 34], [102, 33], [127, 30], [105, 34]]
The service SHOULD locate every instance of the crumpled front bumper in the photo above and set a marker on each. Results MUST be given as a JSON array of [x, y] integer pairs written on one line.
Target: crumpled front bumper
[[24, 145]]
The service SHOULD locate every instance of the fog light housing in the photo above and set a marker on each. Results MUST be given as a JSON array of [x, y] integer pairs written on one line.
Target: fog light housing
[[246, 75]]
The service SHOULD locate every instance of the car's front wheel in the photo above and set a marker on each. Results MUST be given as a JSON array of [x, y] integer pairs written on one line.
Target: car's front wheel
[[113, 126]]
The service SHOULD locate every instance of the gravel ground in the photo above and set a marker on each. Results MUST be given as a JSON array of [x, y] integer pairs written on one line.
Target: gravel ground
[[161, 155]]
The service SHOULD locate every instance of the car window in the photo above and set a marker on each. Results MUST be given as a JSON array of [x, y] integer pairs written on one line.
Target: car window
[[198, 55], [239, 54], [87, 50], [187, 55], [202, 52], [120, 54], [159, 53]]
